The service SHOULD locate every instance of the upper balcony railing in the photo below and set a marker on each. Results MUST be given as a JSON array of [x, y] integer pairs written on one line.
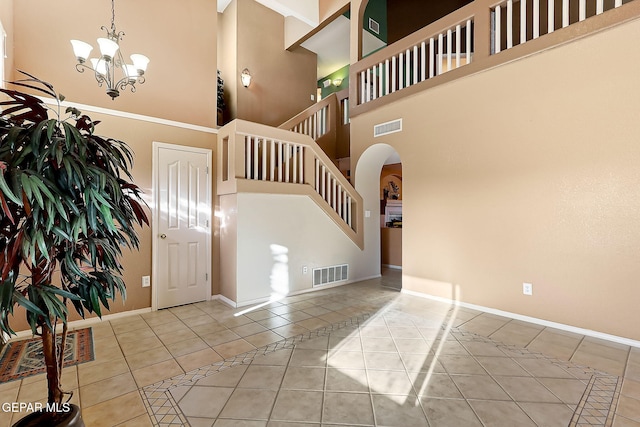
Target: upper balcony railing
[[469, 40]]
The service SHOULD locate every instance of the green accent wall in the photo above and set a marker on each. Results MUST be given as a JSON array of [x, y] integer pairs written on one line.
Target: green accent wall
[[376, 10], [342, 73]]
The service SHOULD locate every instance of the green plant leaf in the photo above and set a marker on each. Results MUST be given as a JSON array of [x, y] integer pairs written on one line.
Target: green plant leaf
[[7, 192], [42, 246], [61, 292], [28, 305]]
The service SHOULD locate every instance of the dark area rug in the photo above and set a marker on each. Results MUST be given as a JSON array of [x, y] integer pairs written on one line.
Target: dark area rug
[[24, 358]]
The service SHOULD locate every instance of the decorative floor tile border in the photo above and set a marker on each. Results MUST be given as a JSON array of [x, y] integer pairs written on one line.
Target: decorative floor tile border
[[164, 410], [596, 408]]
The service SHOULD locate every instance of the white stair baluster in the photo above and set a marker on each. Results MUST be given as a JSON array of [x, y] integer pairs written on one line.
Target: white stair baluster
[[393, 74], [497, 37], [386, 77], [415, 64], [400, 71], [272, 161], [287, 161], [323, 186], [423, 61], [280, 165], [509, 24], [523, 21], [264, 160], [380, 81], [247, 157], [407, 68], [256, 158], [362, 88], [469, 29], [449, 50], [565, 13], [432, 58], [551, 25], [536, 19], [582, 15], [458, 44], [440, 57], [373, 83], [295, 163], [334, 188], [301, 154], [599, 7]]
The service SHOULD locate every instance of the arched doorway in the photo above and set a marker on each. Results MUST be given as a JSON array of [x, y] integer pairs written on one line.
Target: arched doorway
[[377, 167]]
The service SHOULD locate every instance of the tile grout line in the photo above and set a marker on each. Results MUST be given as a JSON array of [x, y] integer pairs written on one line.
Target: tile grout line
[[160, 390]]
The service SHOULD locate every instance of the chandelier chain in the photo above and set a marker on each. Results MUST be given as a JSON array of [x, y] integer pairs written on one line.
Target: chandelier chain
[[113, 16]]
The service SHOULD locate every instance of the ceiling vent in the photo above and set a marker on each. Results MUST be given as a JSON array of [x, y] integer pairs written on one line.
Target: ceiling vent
[[387, 128], [374, 26]]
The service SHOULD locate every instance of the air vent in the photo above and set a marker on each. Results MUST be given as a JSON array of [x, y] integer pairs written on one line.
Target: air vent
[[387, 128], [374, 26], [327, 275]]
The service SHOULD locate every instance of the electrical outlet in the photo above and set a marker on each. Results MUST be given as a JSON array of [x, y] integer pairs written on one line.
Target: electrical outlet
[[367, 214], [527, 288], [313, 98], [146, 281], [305, 269]]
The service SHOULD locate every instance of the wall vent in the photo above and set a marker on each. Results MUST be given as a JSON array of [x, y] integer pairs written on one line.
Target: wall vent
[[374, 26], [387, 128], [327, 275]]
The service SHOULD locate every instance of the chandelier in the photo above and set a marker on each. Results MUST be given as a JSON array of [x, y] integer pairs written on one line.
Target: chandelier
[[110, 61]]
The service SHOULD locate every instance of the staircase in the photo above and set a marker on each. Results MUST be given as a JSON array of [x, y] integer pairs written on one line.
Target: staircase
[[255, 158]]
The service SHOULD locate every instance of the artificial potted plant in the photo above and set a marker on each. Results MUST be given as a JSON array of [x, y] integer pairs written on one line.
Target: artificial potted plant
[[67, 208]]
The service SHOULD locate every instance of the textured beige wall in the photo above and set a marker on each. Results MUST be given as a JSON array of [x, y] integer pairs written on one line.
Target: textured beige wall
[[228, 58], [140, 135], [282, 81], [178, 37], [526, 173]]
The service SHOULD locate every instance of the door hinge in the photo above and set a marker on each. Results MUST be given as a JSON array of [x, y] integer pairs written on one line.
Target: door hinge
[[207, 170], [206, 277], [207, 223]]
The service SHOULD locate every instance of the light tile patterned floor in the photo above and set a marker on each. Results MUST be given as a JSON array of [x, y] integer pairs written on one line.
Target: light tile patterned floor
[[361, 354]]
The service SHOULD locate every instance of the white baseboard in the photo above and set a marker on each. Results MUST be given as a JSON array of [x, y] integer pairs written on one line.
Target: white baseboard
[[534, 320], [234, 304], [393, 267], [83, 323], [229, 302]]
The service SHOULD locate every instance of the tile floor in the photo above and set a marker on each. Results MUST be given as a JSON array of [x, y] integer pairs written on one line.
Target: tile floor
[[361, 354]]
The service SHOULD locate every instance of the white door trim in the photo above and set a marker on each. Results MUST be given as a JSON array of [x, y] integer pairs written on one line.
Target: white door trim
[[156, 218]]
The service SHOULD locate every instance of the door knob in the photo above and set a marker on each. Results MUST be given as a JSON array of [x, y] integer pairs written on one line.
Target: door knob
[[163, 236]]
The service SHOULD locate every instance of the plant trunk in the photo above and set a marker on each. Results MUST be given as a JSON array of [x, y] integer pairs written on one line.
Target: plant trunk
[[51, 360]]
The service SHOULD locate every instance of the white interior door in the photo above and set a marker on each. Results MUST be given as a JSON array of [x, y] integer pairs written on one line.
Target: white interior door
[[182, 234]]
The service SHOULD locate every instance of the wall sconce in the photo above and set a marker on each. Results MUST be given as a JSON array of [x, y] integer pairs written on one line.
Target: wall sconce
[[337, 82], [245, 77]]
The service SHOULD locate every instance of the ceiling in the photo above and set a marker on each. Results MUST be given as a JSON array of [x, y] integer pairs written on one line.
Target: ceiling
[[306, 11], [331, 43]]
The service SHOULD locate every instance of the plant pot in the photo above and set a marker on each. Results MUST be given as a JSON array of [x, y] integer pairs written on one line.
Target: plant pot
[[72, 418]]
